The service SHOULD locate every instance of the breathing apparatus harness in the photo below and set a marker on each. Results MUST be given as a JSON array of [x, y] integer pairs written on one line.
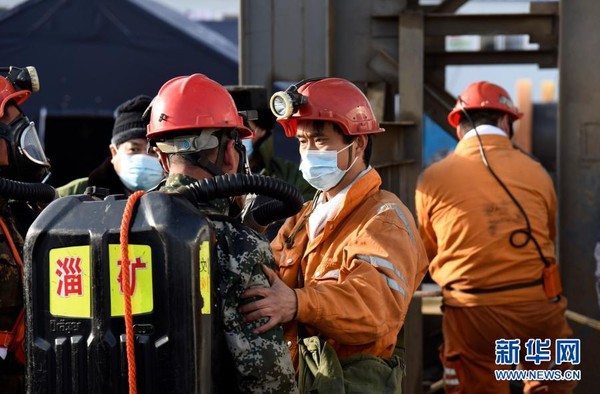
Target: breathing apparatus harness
[[26, 191], [551, 276], [287, 202], [27, 162], [287, 198]]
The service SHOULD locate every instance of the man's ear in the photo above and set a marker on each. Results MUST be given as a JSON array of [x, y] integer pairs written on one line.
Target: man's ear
[[361, 142], [505, 123], [231, 158], [113, 151], [164, 160]]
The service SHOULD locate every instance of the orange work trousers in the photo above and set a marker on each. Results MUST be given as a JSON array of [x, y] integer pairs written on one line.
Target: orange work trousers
[[469, 350]]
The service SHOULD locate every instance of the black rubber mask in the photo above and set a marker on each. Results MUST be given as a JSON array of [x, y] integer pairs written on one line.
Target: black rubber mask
[[27, 161]]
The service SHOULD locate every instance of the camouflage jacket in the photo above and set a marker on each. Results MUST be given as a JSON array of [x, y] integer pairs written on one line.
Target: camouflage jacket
[[262, 362]]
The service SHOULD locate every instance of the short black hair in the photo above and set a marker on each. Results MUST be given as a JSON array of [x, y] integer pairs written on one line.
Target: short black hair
[[347, 138], [480, 117]]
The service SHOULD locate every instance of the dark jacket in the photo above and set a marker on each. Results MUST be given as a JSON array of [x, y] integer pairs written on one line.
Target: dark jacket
[[103, 176], [280, 168]]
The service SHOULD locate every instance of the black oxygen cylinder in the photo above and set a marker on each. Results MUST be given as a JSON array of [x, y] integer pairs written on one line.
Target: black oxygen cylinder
[[75, 331]]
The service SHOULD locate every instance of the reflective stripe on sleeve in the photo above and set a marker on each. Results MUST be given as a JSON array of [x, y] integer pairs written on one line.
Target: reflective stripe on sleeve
[[400, 214], [391, 282], [449, 371], [450, 377]]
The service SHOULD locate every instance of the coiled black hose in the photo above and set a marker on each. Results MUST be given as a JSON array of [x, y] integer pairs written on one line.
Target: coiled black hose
[[288, 199], [23, 191]]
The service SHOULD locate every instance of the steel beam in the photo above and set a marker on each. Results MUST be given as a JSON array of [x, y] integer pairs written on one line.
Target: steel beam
[[448, 6], [541, 27], [543, 58], [579, 172], [410, 91], [491, 24], [438, 103]]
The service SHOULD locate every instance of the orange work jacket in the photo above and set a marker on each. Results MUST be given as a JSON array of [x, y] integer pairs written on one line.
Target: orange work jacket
[[355, 280], [466, 220]]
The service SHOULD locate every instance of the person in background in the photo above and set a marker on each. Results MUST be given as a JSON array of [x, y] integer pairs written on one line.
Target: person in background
[[23, 168], [131, 166], [487, 216], [195, 128], [260, 149], [350, 261]]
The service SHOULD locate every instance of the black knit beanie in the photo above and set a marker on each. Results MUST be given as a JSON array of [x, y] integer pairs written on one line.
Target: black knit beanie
[[128, 120]]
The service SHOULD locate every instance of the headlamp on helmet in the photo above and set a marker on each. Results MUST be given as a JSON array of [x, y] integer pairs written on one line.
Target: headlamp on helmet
[[334, 100], [286, 103], [26, 159], [17, 86], [23, 78]]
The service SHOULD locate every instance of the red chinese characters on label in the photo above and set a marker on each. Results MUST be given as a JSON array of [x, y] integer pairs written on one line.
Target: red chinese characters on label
[[69, 277], [133, 267]]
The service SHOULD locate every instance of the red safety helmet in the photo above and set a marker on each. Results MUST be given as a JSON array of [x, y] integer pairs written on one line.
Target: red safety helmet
[[483, 95], [329, 99], [193, 102]]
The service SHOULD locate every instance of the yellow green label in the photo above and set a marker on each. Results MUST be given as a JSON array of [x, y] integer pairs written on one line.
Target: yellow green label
[[205, 277], [140, 279], [70, 281]]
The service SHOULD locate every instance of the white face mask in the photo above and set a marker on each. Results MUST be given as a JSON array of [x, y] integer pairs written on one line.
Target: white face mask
[[320, 169], [140, 171]]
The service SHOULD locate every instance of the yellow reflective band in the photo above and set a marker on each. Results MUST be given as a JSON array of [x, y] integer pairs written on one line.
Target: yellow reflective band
[[140, 266], [205, 277], [69, 277]]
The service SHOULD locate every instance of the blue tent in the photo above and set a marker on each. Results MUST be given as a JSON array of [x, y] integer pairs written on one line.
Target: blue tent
[[91, 55]]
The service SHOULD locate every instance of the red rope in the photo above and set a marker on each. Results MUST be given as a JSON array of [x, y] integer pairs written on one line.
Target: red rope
[[125, 281], [15, 338]]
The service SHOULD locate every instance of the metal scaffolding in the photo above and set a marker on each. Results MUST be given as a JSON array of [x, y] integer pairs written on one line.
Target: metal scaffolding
[[395, 50]]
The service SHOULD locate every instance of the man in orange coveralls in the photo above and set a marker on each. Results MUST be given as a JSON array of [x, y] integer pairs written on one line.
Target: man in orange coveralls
[[487, 216], [351, 259]]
